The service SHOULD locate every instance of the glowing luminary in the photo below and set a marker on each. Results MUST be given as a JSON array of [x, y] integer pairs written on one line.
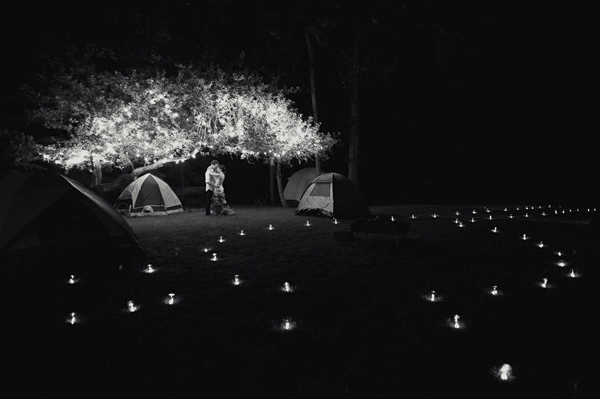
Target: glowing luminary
[[287, 324], [271, 227], [176, 250], [544, 214], [392, 219], [510, 216], [433, 296], [495, 230], [413, 216], [435, 215], [505, 372], [236, 280], [72, 279], [573, 274], [221, 239], [149, 268], [558, 253], [474, 212], [242, 233], [171, 299], [472, 220], [73, 318], [494, 290], [490, 217], [335, 221], [214, 257], [561, 263], [457, 213], [206, 249], [544, 283], [541, 244], [460, 224], [307, 223], [456, 323], [524, 237], [286, 287], [526, 215], [132, 307]]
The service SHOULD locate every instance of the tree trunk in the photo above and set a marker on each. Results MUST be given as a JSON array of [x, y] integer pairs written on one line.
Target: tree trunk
[[181, 175], [280, 186], [137, 172], [313, 92], [116, 185], [354, 112], [272, 182], [97, 172]]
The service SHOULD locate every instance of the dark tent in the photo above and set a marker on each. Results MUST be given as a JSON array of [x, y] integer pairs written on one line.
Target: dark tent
[[63, 220]]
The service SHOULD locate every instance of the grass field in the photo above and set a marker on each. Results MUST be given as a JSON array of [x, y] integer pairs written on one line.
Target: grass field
[[363, 325]]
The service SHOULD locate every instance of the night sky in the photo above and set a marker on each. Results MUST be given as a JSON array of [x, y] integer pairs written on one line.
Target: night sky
[[459, 101]]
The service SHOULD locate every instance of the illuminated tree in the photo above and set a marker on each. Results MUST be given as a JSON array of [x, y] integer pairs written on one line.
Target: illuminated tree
[[146, 122]]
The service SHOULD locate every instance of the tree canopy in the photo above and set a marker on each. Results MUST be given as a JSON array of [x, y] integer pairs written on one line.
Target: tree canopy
[[145, 121]]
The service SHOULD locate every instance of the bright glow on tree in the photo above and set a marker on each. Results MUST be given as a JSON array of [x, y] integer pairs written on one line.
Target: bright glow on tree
[[147, 122]]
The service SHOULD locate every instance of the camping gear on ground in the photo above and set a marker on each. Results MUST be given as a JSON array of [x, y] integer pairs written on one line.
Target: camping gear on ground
[[148, 195], [297, 183], [334, 195]]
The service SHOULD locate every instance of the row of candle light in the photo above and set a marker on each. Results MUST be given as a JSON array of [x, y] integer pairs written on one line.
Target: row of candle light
[[172, 299], [503, 372], [511, 216]]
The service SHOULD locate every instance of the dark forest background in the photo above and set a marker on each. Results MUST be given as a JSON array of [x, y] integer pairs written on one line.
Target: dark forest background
[[459, 101]]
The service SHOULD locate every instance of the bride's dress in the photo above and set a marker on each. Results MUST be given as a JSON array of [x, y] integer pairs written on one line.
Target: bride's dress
[[219, 204]]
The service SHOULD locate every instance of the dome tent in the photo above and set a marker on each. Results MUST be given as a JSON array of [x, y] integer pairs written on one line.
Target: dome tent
[[31, 202], [150, 196], [334, 195], [48, 219], [297, 183]]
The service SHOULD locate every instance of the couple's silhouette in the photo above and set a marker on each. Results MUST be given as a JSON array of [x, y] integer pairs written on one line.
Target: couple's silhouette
[[216, 202]]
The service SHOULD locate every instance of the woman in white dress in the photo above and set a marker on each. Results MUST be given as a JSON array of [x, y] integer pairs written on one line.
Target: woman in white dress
[[219, 204]]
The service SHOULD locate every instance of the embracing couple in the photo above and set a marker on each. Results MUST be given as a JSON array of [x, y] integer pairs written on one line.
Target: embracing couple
[[216, 203]]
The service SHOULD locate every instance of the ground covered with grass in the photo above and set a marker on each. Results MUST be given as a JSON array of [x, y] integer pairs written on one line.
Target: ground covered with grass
[[363, 324]]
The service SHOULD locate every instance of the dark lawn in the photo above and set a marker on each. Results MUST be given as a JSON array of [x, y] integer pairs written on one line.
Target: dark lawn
[[364, 329]]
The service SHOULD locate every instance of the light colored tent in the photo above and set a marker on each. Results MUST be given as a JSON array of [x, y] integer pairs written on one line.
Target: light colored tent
[[150, 196], [333, 195], [297, 183], [47, 209]]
